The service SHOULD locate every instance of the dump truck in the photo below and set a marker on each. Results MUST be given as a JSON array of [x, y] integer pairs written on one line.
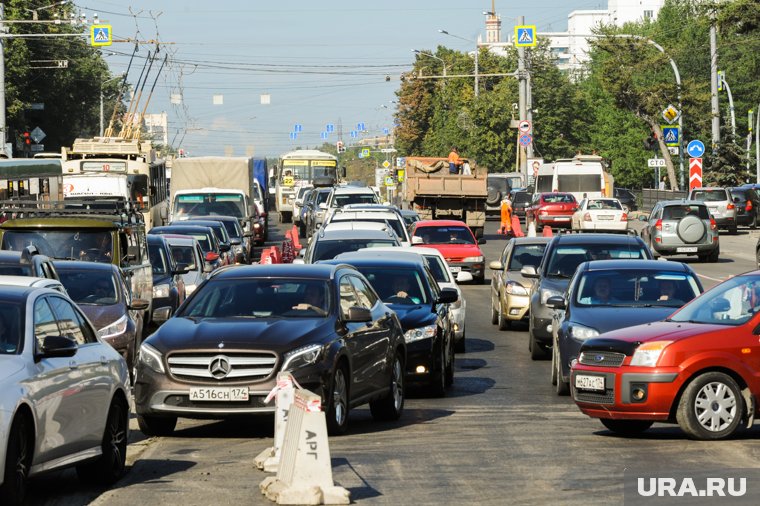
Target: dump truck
[[435, 194]]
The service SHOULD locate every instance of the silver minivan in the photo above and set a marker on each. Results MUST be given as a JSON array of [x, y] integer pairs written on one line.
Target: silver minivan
[[720, 203]]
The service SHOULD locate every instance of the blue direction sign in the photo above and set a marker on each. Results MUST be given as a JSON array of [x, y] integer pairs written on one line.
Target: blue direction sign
[[360, 127], [324, 135], [293, 136], [298, 127], [329, 128], [386, 131], [354, 134], [525, 35], [525, 139], [696, 149]]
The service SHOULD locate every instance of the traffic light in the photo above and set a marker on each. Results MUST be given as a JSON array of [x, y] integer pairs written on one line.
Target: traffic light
[[341, 147], [651, 142], [27, 139]]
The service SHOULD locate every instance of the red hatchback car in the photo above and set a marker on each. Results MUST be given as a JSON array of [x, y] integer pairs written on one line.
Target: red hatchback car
[[699, 368], [455, 241], [551, 209]]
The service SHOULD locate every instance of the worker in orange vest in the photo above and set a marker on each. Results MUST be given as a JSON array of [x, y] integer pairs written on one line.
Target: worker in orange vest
[[506, 217], [454, 161]]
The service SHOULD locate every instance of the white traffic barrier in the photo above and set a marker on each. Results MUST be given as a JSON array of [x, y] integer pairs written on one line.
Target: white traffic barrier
[[305, 473], [283, 393], [531, 229]]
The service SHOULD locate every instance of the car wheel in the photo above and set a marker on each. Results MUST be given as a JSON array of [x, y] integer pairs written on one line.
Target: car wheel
[[110, 466], [391, 406], [450, 367], [554, 367], [561, 387], [537, 352], [714, 256], [302, 230], [459, 346], [157, 425], [502, 320], [753, 223], [495, 314], [18, 459], [437, 383], [480, 280], [711, 407], [732, 230], [626, 427], [337, 403]]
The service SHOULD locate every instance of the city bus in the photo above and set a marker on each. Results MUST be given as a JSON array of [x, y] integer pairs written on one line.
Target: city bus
[[303, 167], [146, 183], [31, 179]]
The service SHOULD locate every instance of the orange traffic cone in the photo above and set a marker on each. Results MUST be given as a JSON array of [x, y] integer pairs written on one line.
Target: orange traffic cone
[[516, 227], [547, 231]]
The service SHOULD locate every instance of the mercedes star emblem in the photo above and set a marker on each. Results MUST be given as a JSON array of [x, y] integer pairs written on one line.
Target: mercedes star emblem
[[219, 367]]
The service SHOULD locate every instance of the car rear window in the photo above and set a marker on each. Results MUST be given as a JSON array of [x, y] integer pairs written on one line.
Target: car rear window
[[498, 183], [678, 212], [327, 250], [360, 198], [558, 198], [526, 254], [709, 195], [566, 259], [521, 198], [15, 270]]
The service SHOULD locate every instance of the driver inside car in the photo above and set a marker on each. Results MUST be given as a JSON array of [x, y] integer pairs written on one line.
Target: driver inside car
[[401, 289], [314, 299]]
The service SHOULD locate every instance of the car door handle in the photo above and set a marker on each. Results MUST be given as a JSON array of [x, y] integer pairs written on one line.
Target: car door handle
[[73, 364]]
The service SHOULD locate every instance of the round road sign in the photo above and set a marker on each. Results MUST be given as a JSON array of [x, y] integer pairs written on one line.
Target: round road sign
[[525, 139], [524, 126]]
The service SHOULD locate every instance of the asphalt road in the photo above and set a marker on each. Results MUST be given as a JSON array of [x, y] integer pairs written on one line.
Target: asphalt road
[[501, 436]]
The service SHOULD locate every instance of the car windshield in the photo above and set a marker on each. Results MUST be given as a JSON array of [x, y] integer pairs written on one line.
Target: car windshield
[[233, 229], [498, 183], [184, 255], [89, 286], [635, 288], [566, 259], [445, 235], [521, 198], [204, 204], [397, 286], [326, 249], [605, 204], [219, 230], [709, 195], [526, 254], [16, 269], [62, 244], [680, 211], [260, 298], [203, 239], [356, 198], [733, 302], [158, 260], [11, 328]]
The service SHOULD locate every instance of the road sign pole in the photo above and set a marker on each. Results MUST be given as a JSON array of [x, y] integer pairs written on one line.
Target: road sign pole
[[522, 102]]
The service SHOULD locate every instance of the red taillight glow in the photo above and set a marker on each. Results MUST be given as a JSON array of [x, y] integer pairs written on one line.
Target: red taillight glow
[[658, 225], [730, 206], [748, 207], [624, 217], [713, 225]]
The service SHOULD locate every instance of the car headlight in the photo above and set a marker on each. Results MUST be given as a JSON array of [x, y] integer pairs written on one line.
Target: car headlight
[[114, 329], [412, 335], [160, 291], [473, 259], [546, 293], [513, 288], [649, 353], [300, 357], [151, 358], [581, 332]]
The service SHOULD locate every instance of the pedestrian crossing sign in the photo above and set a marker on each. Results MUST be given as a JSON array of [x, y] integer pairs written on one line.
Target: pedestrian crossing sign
[[525, 35], [100, 35], [670, 135]]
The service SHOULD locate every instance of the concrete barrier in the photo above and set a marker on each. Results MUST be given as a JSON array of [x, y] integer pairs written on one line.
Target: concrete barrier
[[284, 394], [304, 475]]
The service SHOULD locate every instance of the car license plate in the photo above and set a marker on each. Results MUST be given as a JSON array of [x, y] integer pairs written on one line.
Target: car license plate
[[455, 269], [589, 382], [606, 217], [686, 249], [201, 394]]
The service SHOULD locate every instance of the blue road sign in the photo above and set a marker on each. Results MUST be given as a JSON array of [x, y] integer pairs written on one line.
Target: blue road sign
[[696, 148], [329, 128], [297, 127], [386, 131], [525, 35], [293, 136], [670, 135], [360, 127], [354, 134], [525, 139], [324, 135]]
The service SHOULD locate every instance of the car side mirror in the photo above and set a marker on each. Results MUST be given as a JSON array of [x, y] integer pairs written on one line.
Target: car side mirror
[[235, 241], [358, 314], [495, 265], [482, 240], [57, 346], [417, 240], [556, 302], [529, 271], [720, 305], [212, 257], [448, 296], [181, 269], [299, 202], [464, 277], [139, 304], [224, 248]]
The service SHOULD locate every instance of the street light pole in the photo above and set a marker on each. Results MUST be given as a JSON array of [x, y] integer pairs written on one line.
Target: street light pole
[[477, 80], [443, 62]]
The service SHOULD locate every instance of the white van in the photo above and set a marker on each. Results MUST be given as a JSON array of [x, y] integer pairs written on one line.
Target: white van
[[583, 176]]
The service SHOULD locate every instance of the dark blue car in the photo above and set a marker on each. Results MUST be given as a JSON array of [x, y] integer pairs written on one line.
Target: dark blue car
[[607, 295]]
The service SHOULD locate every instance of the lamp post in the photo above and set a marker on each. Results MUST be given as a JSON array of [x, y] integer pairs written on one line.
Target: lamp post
[[476, 55], [417, 51], [35, 16], [101, 98]]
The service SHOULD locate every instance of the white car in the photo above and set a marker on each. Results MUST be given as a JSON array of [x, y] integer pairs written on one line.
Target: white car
[[374, 214], [63, 393], [32, 281], [600, 215], [445, 279], [345, 195]]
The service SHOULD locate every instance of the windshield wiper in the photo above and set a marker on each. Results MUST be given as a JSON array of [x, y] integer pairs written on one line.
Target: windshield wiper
[[559, 275]]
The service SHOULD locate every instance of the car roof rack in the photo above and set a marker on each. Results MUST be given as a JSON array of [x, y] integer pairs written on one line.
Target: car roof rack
[[126, 212]]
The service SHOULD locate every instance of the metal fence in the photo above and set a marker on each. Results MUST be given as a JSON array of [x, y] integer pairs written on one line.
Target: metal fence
[[648, 197]]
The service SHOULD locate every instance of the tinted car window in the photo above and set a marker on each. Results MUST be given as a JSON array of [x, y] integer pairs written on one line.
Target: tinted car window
[[680, 211], [521, 198], [604, 204], [526, 254], [344, 200], [158, 260], [389, 282], [10, 328], [44, 321], [440, 272], [636, 288], [347, 296], [89, 286], [566, 259], [16, 270], [558, 198], [68, 319], [326, 250], [499, 183], [366, 297], [184, 255]]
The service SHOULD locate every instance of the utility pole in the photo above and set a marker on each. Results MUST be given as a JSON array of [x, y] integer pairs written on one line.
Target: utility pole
[[3, 133], [522, 98], [715, 107], [477, 80]]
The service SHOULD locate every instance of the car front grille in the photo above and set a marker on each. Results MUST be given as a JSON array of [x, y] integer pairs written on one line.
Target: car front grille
[[602, 358], [608, 397], [223, 367]]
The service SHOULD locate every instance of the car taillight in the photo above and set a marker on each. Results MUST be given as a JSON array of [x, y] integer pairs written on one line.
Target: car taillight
[[587, 217], [658, 225], [730, 206], [748, 207], [624, 217], [713, 225]]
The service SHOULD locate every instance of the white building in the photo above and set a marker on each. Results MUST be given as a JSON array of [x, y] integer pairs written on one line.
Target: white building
[[572, 46]]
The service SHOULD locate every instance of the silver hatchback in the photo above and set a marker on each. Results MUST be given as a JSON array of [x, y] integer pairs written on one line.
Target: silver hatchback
[[682, 227], [720, 203]]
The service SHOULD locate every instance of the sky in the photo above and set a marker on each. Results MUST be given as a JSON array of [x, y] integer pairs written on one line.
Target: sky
[[320, 62]]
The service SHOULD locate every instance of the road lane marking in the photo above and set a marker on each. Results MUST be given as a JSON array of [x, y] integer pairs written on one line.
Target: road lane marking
[[717, 280]]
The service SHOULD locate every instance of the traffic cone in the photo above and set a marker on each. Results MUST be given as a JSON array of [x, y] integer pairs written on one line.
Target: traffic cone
[[531, 229], [547, 231], [516, 227]]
